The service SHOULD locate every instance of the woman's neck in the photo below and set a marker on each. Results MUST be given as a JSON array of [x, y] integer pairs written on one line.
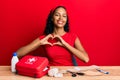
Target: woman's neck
[[59, 31]]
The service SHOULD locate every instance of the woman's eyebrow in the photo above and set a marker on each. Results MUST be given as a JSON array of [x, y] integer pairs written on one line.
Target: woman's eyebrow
[[59, 13]]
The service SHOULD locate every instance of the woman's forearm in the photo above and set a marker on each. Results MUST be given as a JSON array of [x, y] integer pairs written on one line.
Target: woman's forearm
[[28, 48], [22, 51], [80, 54]]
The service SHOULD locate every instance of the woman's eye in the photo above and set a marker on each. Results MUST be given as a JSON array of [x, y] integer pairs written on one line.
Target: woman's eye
[[56, 15], [65, 16]]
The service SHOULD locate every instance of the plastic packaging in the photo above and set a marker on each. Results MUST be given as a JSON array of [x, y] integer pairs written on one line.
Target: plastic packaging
[[14, 60]]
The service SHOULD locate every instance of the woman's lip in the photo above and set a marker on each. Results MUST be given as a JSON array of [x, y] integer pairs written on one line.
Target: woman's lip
[[60, 22]]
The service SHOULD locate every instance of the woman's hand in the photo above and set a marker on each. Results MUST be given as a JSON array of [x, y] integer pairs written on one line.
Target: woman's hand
[[44, 41], [60, 41]]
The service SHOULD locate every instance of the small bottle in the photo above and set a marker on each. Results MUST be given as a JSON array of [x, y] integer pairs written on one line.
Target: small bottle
[[14, 60]]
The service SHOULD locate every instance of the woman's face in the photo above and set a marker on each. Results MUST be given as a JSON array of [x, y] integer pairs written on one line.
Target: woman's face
[[60, 17]]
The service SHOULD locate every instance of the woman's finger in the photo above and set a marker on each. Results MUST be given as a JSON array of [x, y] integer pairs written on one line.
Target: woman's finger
[[49, 43], [58, 43], [58, 37]]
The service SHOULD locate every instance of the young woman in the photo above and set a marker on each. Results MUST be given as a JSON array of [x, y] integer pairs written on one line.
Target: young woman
[[59, 43]]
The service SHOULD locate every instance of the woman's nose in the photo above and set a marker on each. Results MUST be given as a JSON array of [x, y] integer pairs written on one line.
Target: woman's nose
[[60, 17]]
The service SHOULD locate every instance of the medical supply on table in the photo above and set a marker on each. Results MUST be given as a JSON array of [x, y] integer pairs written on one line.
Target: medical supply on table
[[14, 61]]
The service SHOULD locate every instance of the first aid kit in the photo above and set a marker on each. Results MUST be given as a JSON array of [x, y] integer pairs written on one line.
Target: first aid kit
[[33, 66]]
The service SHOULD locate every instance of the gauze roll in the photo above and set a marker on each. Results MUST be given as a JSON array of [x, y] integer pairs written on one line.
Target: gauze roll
[[54, 73]]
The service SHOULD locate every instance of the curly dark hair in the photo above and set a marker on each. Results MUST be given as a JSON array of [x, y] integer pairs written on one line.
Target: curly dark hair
[[50, 25]]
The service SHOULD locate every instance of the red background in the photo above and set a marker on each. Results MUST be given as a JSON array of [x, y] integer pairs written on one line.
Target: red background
[[97, 23]]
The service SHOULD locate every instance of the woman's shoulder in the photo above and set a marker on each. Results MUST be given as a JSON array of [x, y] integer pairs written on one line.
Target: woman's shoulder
[[72, 34], [70, 37]]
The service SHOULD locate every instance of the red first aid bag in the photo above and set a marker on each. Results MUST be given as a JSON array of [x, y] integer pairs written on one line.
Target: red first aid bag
[[33, 66]]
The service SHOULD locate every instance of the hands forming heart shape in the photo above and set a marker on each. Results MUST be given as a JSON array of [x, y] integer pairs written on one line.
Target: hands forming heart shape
[[52, 40]]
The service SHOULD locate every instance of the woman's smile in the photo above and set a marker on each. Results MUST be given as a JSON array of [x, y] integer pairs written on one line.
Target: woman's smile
[[60, 21]]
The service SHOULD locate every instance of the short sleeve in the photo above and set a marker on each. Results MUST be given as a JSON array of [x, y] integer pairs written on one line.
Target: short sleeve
[[74, 36], [41, 37], [71, 38]]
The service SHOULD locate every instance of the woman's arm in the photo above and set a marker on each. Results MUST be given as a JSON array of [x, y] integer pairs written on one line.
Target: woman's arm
[[33, 45], [28, 48], [78, 50]]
